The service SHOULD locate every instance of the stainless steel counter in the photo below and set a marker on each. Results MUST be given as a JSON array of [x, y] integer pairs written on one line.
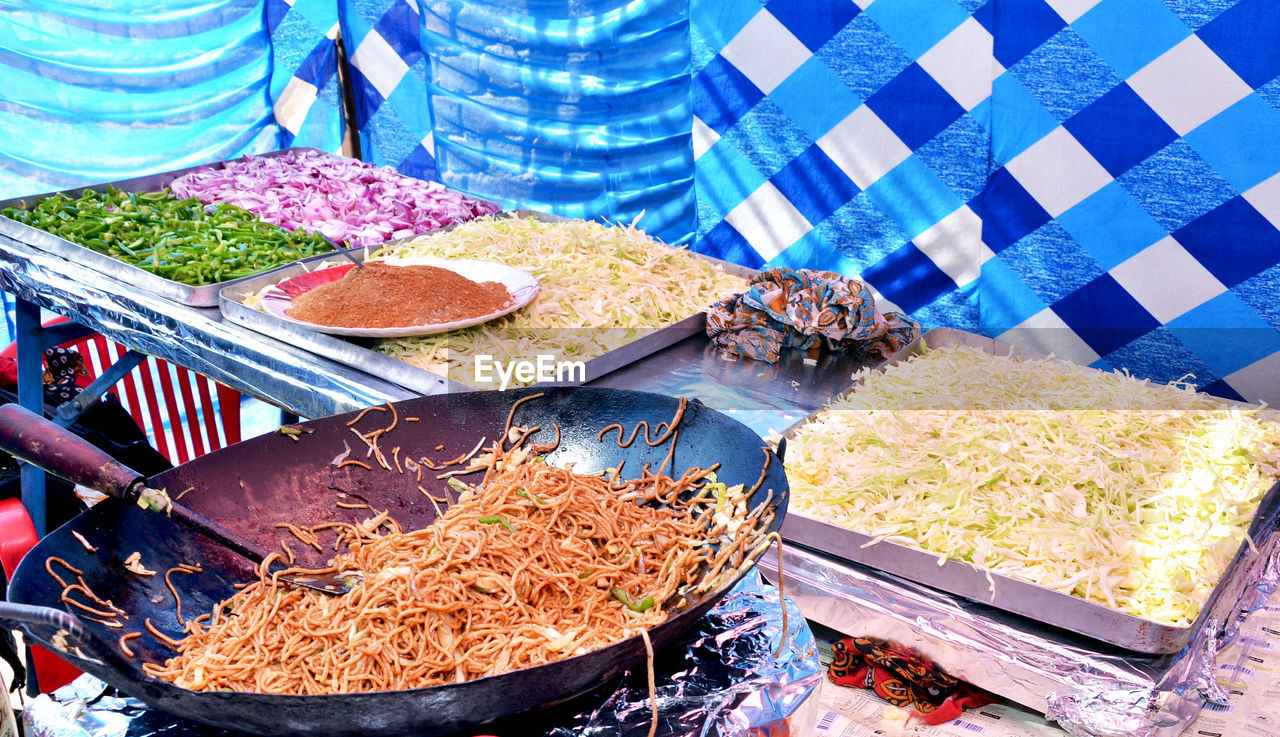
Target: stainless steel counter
[[310, 385], [766, 397]]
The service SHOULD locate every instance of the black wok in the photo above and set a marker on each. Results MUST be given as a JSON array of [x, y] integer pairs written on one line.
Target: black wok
[[251, 486]]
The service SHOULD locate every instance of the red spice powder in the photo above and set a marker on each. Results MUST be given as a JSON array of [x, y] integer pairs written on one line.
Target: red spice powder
[[384, 296]]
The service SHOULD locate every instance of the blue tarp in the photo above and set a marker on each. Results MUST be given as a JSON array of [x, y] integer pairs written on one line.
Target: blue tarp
[[1099, 178], [1096, 177], [101, 90], [97, 90], [581, 109]]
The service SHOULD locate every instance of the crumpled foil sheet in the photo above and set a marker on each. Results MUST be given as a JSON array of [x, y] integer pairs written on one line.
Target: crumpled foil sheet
[[1088, 688], [721, 679]]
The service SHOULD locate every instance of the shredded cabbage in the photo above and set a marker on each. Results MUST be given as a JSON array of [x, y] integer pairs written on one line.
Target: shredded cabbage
[[601, 287], [1129, 494]]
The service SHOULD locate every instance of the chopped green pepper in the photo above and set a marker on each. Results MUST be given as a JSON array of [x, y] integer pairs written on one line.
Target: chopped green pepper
[[495, 519], [643, 605], [173, 238], [531, 497]]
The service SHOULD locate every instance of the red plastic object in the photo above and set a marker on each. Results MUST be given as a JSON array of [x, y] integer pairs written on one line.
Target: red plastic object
[[17, 536], [157, 389]]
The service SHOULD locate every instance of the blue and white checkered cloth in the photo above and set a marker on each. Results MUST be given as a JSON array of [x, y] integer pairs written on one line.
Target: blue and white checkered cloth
[[305, 91], [388, 77], [1099, 178]]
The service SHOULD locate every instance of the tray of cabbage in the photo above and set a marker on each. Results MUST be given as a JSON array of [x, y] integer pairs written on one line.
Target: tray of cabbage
[[1092, 501]]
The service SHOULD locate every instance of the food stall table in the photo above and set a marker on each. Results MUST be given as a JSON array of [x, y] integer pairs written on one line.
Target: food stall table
[[1088, 686], [199, 339], [768, 398], [312, 386]]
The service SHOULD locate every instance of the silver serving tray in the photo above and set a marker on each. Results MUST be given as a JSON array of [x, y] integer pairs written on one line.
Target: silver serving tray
[[354, 352], [1037, 602], [201, 296]]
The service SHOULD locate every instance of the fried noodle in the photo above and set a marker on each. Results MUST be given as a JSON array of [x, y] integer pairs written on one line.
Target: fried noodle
[[533, 564]]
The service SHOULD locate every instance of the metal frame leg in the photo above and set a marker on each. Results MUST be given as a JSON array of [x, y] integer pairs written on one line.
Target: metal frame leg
[[70, 410], [31, 396], [32, 339]]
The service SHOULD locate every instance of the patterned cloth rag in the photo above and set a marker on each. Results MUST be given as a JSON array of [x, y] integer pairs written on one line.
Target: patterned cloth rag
[[63, 369], [64, 374], [904, 680], [809, 310]]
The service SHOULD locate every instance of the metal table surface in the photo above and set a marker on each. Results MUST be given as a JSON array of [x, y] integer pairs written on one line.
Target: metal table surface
[[195, 338]]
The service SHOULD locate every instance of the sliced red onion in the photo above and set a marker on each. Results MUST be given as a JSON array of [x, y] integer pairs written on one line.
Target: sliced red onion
[[351, 202]]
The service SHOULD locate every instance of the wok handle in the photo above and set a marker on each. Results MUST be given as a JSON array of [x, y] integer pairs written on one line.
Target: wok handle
[[46, 624], [30, 437], [59, 451]]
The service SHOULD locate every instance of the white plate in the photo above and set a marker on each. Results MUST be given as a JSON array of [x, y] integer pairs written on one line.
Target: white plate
[[521, 284]]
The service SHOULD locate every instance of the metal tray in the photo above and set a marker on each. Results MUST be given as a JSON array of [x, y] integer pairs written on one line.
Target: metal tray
[[202, 296], [1042, 604], [357, 353]]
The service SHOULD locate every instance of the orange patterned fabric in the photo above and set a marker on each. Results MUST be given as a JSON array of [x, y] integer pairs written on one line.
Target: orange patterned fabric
[[903, 679], [809, 310]]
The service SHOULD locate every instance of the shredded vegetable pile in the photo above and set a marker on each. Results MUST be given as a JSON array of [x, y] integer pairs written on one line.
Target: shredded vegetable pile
[[177, 239], [601, 287], [349, 201], [1129, 494]]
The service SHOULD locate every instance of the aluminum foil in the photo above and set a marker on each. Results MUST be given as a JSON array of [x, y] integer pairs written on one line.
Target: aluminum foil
[[1171, 703], [726, 677], [1088, 688]]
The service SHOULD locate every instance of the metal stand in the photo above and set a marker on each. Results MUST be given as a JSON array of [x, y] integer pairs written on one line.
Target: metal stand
[[33, 339], [31, 396]]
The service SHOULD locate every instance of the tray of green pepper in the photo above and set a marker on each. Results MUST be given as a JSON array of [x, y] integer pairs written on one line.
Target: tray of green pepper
[[139, 232]]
